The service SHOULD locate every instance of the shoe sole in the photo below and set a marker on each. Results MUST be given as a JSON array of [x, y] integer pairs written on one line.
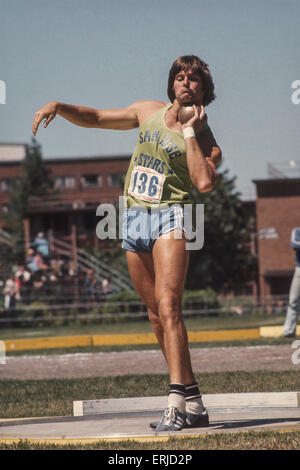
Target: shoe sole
[[201, 422]]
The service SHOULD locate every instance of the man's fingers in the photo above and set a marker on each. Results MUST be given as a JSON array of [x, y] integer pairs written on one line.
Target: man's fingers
[[199, 112], [196, 113], [36, 123], [202, 112], [49, 119], [38, 119]]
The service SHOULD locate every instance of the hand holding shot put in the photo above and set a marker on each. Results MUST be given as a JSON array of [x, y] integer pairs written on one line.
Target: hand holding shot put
[[193, 118], [190, 114]]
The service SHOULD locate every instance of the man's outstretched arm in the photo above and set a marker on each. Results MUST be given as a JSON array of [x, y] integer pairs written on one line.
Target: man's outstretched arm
[[118, 119]]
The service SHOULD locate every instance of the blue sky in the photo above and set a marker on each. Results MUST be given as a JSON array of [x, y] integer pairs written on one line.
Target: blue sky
[[110, 53]]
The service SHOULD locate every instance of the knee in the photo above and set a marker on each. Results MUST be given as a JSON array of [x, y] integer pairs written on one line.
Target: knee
[[169, 308]]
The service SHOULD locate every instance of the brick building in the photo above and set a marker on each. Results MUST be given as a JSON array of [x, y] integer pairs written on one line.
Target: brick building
[[277, 213], [80, 184]]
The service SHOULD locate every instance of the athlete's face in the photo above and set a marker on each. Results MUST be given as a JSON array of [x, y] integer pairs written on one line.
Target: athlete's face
[[188, 88]]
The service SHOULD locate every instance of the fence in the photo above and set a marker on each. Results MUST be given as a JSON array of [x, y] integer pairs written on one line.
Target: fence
[[67, 309]]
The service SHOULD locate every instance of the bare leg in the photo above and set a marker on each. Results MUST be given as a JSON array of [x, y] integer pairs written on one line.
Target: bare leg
[[159, 279], [170, 265], [141, 271]]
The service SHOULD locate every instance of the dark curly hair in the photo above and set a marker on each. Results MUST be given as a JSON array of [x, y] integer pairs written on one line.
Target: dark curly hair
[[192, 62]]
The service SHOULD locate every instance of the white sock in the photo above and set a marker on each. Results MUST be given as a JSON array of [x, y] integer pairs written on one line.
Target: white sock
[[178, 401], [176, 397], [195, 406], [193, 399]]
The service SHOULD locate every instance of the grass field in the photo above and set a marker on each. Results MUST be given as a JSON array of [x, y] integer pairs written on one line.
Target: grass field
[[32, 398], [261, 440], [37, 398]]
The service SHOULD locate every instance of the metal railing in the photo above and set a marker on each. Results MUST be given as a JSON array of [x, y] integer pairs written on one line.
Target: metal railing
[[282, 170], [85, 308], [88, 261], [5, 237], [84, 261]]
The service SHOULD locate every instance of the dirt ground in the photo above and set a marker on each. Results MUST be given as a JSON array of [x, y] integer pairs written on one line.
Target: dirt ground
[[81, 365]]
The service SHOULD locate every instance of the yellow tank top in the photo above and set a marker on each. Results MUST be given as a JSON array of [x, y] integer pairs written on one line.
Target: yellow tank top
[[158, 173]]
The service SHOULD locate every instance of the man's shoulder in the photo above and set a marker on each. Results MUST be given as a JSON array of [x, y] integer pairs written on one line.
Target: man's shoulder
[[150, 103], [146, 108]]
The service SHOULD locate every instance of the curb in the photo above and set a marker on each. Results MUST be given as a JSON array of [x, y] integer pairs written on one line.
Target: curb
[[131, 339], [211, 401], [274, 331], [140, 338]]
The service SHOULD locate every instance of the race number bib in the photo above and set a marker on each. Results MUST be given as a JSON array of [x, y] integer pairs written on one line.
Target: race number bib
[[146, 184]]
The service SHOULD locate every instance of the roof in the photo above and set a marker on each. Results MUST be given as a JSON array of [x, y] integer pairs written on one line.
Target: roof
[[85, 158], [286, 187], [14, 153]]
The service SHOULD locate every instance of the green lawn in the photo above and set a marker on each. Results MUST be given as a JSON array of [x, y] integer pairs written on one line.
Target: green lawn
[[252, 440]]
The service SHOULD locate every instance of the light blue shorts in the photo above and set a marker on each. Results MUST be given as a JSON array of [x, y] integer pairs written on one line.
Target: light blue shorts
[[141, 227]]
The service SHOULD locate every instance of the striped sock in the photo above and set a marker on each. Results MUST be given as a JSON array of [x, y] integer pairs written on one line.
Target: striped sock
[[176, 396], [193, 399]]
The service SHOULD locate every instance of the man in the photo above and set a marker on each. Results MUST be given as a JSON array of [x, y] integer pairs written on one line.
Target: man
[[290, 324], [170, 157], [41, 244]]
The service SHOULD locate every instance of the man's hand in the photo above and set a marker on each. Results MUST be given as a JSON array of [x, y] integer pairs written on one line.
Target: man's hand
[[198, 120], [47, 112]]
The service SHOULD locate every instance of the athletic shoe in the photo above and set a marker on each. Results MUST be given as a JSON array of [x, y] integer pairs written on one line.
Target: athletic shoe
[[197, 421], [172, 420], [192, 421]]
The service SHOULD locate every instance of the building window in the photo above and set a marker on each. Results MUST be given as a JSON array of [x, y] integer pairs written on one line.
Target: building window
[[64, 182], [116, 179], [7, 184], [91, 181]]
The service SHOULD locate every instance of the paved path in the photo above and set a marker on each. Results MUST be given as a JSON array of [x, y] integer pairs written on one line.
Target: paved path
[[147, 362], [137, 427]]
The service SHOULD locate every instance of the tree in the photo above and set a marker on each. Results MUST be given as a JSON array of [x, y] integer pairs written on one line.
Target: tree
[[225, 262], [35, 181]]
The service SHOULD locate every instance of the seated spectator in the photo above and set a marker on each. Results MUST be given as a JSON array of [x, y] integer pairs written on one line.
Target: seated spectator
[[39, 262], [22, 273], [72, 268], [23, 280], [91, 284], [31, 264], [52, 276], [41, 244], [107, 287], [9, 293], [38, 280], [54, 286], [18, 286], [55, 265]]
